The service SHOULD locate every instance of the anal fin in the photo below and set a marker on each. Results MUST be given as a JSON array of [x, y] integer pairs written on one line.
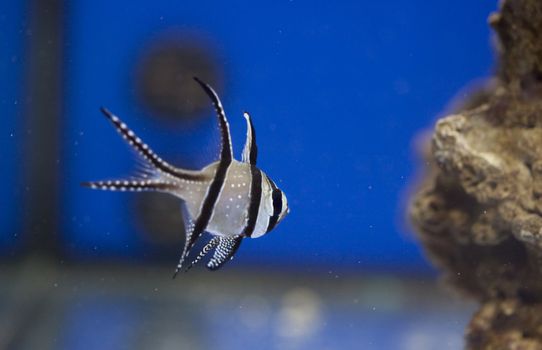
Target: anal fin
[[224, 252], [212, 244]]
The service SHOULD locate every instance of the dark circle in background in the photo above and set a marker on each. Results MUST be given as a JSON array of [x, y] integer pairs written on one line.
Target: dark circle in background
[[164, 80], [165, 87], [161, 218]]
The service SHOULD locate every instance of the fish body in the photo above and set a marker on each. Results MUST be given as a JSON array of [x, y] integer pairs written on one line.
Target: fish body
[[232, 200]]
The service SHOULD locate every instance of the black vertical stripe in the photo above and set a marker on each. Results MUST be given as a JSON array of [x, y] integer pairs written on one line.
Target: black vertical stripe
[[209, 202], [255, 198], [277, 206], [226, 156]]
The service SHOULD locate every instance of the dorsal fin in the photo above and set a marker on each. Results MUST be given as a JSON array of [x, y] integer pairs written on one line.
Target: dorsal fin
[[227, 246], [250, 152], [226, 157], [226, 151]]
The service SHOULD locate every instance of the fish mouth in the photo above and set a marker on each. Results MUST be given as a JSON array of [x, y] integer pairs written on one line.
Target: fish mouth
[[283, 214]]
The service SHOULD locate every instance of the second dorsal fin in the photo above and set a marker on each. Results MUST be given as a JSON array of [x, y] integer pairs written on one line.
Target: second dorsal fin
[[213, 192], [226, 151]]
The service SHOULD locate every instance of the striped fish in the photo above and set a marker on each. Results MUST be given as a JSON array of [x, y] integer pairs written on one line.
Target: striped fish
[[230, 199]]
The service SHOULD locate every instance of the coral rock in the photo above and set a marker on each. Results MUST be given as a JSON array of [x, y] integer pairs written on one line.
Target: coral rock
[[478, 211]]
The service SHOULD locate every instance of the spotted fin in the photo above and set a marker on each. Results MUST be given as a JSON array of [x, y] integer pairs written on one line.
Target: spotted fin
[[227, 246], [211, 197], [250, 152], [156, 164], [131, 185], [213, 243]]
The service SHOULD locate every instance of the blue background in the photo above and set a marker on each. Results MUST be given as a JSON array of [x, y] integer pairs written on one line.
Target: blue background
[[337, 90], [12, 132]]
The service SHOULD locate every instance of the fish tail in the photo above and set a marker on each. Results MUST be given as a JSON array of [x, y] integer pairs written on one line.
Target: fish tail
[[130, 185], [156, 164]]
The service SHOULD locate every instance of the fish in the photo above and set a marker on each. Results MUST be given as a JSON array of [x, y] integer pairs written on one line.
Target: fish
[[229, 199]]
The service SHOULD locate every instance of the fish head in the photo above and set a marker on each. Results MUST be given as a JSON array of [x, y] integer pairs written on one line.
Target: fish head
[[276, 204]]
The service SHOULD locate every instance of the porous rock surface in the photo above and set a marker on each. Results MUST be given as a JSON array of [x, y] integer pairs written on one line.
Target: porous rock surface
[[478, 211]]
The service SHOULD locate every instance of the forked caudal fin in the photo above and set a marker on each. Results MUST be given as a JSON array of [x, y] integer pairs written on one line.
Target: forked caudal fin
[[130, 185], [143, 150], [226, 157]]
